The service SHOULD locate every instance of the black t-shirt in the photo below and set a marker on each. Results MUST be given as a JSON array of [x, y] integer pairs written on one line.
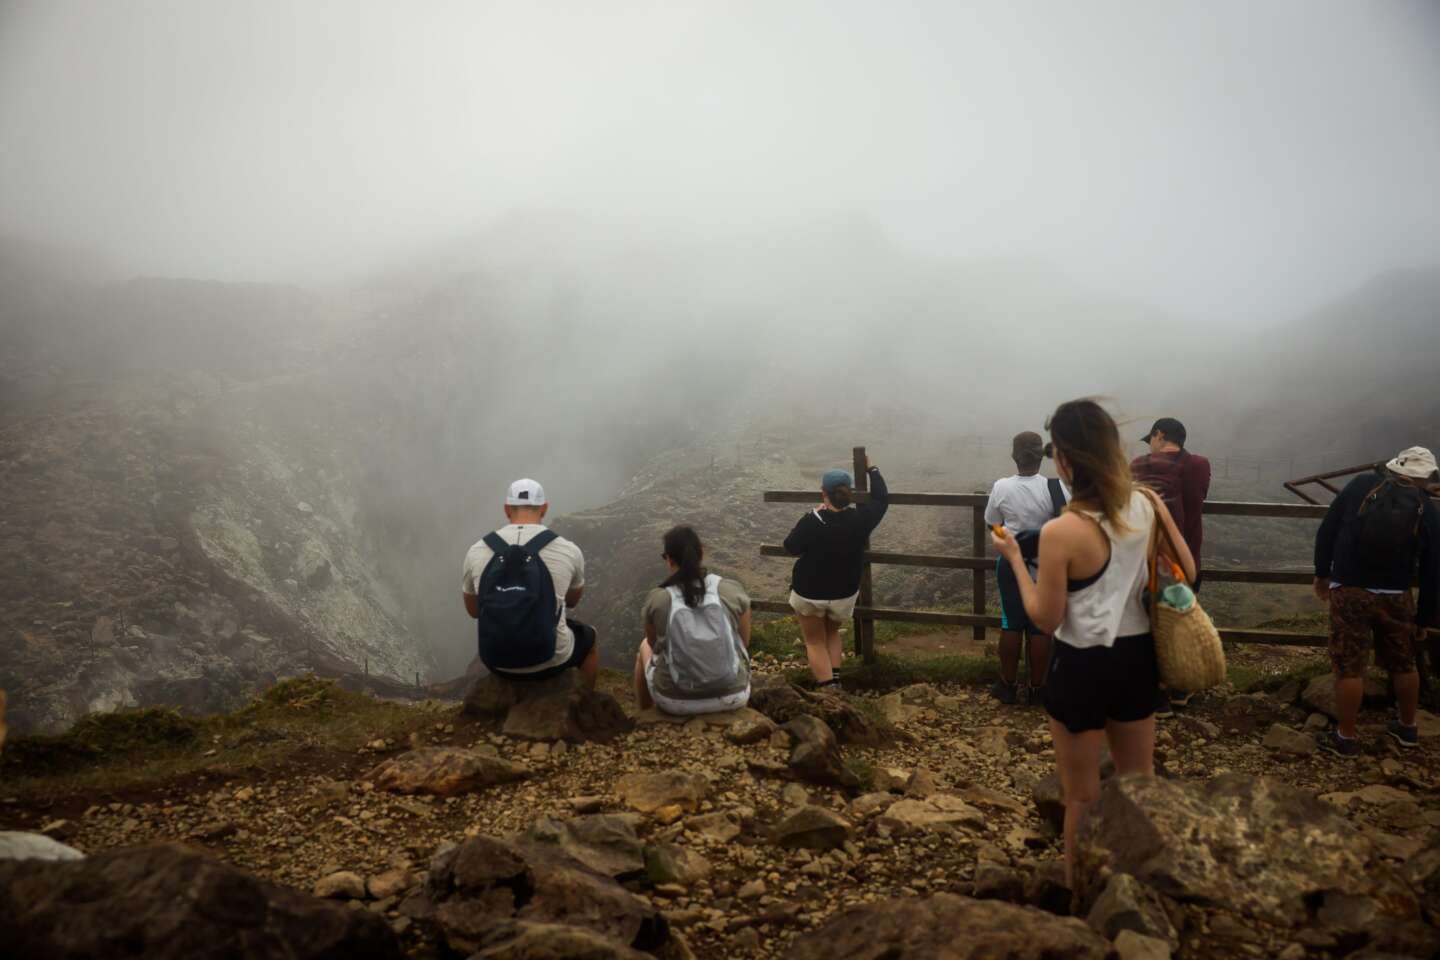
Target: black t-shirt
[[831, 545]]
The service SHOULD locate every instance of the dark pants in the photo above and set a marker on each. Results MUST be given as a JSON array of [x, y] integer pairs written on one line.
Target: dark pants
[[584, 642]]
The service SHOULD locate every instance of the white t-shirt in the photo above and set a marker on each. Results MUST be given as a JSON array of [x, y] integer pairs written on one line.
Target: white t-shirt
[[567, 571], [1021, 503]]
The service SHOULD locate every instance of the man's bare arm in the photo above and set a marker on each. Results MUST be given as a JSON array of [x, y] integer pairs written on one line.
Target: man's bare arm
[[472, 605], [572, 597]]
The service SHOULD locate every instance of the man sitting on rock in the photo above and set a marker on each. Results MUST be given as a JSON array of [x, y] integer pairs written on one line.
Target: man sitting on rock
[[519, 583], [1374, 535]]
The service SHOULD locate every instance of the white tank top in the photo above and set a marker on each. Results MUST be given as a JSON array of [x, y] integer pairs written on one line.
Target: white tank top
[[1112, 605]]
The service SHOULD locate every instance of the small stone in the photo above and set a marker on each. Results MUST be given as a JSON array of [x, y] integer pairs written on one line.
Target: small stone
[[1287, 742], [389, 884], [813, 828], [751, 890], [1136, 946], [794, 795], [592, 804], [244, 794], [1316, 722], [341, 885], [745, 940]]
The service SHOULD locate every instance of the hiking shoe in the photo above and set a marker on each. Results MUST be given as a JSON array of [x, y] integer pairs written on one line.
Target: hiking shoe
[[1407, 737], [1180, 702], [1004, 692], [1340, 746], [1163, 709], [1035, 696], [833, 685]]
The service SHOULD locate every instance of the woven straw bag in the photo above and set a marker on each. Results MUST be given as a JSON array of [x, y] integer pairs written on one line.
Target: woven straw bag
[[1187, 645]]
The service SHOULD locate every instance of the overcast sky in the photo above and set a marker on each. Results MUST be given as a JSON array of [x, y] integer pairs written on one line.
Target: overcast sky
[[1235, 160]]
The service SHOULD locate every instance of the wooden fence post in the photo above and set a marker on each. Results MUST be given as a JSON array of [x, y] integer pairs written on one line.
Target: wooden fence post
[[864, 626], [978, 540]]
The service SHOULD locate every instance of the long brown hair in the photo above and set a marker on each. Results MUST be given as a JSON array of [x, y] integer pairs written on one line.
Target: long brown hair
[[682, 544], [1099, 473]]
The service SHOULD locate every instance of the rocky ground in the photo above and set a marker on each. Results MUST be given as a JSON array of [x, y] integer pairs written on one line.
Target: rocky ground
[[743, 844]]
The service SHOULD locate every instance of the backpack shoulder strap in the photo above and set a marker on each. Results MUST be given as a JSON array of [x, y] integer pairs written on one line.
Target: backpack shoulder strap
[[496, 543], [1057, 497], [540, 541]]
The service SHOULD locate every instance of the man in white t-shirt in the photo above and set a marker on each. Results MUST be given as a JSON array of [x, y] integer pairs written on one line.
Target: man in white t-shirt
[[1022, 502], [525, 508]]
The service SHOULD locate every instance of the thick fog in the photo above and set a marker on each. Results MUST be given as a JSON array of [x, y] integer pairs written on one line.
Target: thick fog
[[428, 247], [1225, 161]]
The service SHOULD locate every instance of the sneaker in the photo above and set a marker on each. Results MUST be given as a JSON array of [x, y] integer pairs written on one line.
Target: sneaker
[[1180, 702], [833, 685], [1163, 709], [1338, 745], [1004, 692], [1035, 696], [1407, 737]]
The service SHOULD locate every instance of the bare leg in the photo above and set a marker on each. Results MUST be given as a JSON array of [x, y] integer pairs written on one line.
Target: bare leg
[[1132, 745], [832, 644], [1349, 691], [1407, 695], [816, 647], [590, 667], [642, 689], [1039, 658], [1077, 759], [1010, 655]]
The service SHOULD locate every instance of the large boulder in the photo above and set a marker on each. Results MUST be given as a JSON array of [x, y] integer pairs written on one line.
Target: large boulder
[[783, 701], [557, 708], [949, 927], [604, 842], [486, 887], [1265, 853], [444, 771], [161, 901], [815, 756]]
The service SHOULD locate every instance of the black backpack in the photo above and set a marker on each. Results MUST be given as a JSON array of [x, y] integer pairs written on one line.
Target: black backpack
[[518, 613], [1388, 523]]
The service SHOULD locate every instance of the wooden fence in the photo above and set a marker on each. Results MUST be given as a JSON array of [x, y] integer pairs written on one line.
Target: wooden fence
[[866, 613]]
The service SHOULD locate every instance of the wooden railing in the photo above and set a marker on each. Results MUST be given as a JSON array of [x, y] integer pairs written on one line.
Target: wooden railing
[[866, 613]]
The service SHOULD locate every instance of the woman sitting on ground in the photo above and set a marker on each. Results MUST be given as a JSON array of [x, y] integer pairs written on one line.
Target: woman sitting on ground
[[695, 655], [1089, 594], [830, 542]]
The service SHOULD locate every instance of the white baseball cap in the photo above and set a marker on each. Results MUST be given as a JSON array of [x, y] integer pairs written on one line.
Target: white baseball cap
[[525, 493], [1416, 463]]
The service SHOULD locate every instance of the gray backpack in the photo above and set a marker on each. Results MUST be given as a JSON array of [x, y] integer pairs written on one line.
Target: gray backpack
[[704, 652]]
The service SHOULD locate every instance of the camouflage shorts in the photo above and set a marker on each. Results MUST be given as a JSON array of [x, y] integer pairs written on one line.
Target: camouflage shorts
[[1360, 619]]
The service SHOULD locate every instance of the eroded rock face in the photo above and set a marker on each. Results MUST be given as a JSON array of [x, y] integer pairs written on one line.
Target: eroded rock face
[[487, 888], [782, 702], [949, 927], [1262, 851], [444, 771], [161, 901]]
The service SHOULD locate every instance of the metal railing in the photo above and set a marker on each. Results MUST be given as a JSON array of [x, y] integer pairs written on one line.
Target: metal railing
[[866, 613]]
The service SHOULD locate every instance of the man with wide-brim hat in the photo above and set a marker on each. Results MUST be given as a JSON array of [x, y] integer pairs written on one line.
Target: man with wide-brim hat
[[1379, 533]]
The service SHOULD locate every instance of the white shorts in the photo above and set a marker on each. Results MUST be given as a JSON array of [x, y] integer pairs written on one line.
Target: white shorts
[[837, 610], [686, 708]]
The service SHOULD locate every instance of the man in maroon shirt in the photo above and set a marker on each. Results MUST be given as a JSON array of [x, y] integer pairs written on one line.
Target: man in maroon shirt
[[1182, 480]]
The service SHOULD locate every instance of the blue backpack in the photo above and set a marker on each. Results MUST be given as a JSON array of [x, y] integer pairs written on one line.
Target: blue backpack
[[518, 613]]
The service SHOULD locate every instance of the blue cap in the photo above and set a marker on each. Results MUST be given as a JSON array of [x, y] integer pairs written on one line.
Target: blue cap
[[835, 478]]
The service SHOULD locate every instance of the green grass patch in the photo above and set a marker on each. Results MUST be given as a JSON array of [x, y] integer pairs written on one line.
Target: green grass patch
[[1252, 679], [891, 672], [107, 751]]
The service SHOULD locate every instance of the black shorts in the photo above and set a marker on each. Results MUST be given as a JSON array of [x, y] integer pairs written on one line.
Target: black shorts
[[1092, 685], [584, 642]]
